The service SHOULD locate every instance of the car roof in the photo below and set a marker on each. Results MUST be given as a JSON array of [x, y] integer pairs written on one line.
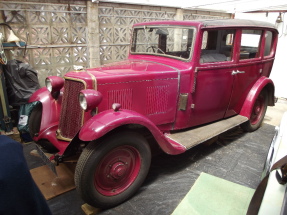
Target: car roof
[[211, 23]]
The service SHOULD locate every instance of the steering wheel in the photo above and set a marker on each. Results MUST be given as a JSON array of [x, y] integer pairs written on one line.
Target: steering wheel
[[155, 49]]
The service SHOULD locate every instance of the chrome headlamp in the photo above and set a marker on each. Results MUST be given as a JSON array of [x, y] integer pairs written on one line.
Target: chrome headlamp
[[83, 101], [48, 84], [89, 99], [54, 83]]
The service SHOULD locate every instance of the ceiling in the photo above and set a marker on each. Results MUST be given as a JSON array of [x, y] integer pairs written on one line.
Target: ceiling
[[229, 6], [232, 6]]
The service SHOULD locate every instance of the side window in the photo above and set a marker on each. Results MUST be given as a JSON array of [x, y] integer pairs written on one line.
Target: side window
[[217, 46], [268, 43], [250, 43]]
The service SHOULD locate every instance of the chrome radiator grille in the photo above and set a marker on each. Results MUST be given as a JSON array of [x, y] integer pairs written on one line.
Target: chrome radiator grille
[[71, 112]]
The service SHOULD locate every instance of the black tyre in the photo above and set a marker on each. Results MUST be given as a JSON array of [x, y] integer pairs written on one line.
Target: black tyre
[[257, 114], [34, 124], [110, 172], [34, 121]]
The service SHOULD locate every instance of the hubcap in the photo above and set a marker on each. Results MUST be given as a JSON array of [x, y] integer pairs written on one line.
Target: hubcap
[[117, 170], [258, 110]]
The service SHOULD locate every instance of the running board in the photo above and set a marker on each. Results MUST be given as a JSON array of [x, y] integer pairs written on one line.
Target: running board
[[195, 136]]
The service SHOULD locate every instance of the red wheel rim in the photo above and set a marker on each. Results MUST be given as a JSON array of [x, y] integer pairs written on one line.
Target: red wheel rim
[[258, 110], [117, 170]]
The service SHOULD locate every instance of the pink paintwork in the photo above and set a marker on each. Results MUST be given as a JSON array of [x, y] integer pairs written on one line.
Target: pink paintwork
[[49, 134], [56, 83], [107, 121], [51, 107], [167, 86], [254, 92]]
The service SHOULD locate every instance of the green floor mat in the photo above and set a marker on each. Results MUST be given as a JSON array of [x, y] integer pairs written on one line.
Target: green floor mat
[[216, 196]]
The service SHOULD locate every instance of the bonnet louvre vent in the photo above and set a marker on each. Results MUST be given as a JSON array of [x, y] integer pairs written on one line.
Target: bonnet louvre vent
[[157, 99], [124, 97]]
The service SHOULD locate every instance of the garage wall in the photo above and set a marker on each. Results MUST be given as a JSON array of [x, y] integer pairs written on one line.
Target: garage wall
[[115, 27], [60, 35], [56, 35], [116, 20]]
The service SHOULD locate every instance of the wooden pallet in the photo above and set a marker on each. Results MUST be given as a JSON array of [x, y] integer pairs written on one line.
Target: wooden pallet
[[52, 185]]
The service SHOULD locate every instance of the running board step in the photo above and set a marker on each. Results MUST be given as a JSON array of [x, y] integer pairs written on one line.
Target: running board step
[[193, 137]]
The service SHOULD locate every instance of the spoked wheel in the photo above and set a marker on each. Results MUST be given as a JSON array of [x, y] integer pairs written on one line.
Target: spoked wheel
[[110, 172], [258, 113]]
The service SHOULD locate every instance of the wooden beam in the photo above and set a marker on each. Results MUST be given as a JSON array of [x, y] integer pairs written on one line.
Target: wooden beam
[[268, 11]]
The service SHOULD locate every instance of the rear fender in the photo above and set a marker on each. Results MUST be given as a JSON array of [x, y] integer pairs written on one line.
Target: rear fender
[[50, 107], [262, 83], [106, 121]]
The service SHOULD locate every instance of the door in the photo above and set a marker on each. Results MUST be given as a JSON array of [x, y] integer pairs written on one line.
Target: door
[[213, 80], [249, 68]]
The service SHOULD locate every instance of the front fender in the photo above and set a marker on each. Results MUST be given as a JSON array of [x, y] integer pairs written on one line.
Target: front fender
[[259, 85], [50, 107], [106, 121]]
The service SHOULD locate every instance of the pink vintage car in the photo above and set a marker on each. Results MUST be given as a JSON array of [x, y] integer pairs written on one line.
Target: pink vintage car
[[183, 83]]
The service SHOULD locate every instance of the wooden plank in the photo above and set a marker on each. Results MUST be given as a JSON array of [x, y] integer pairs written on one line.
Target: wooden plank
[[5, 116], [51, 185], [195, 136], [89, 210]]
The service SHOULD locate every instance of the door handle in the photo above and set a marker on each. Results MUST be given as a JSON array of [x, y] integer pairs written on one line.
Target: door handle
[[237, 72]]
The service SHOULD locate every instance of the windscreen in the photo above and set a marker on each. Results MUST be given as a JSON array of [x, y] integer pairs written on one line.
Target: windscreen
[[175, 41]]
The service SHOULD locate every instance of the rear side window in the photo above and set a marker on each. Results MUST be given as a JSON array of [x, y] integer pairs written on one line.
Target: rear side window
[[268, 43], [250, 43], [217, 46]]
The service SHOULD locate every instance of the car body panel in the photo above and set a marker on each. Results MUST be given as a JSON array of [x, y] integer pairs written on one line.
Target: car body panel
[[51, 107], [275, 193], [107, 121], [262, 82]]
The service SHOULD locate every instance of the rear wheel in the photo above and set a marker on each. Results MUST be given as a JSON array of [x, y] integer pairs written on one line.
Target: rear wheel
[[110, 172], [257, 114]]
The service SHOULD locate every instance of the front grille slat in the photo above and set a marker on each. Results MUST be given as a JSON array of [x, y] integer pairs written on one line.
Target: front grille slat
[[71, 112]]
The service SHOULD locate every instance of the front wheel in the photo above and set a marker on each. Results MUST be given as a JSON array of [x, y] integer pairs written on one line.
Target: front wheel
[[110, 172], [34, 121], [34, 124], [258, 112]]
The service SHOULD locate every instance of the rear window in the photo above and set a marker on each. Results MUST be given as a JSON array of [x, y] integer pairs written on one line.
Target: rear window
[[250, 43], [268, 43]]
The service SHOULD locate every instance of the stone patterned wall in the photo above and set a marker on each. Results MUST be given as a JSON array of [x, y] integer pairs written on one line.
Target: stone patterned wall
[[193, 15], [115, 29], [57, 33]]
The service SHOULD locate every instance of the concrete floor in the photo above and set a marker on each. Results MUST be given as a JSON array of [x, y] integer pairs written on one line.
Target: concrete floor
[[274, 114]]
